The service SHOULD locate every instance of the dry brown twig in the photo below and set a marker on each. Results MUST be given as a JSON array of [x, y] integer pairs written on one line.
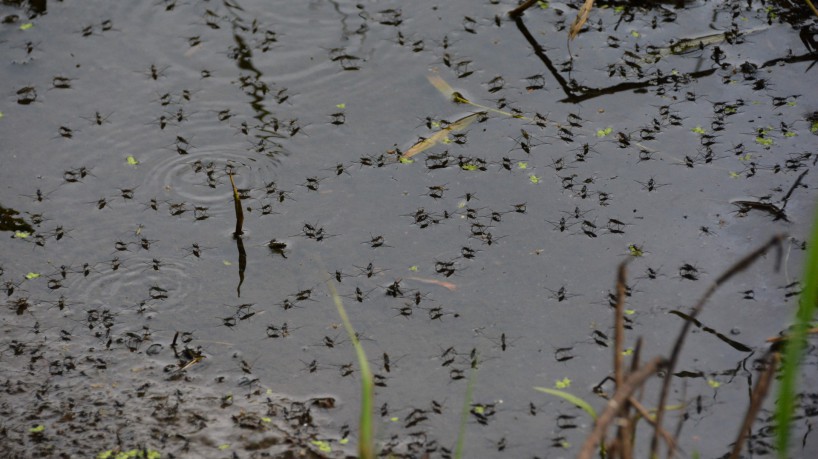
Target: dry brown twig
[[629, 381], [759, 393], [576, 26], [581, 18], [517, 12], [237, 205], [738, 267], [615, 404], [779, 339], [645, 414], [624, 432]]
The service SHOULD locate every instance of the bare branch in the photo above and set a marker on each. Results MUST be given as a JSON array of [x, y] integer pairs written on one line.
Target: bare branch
[[633, 382], [738, 267], [517, 12], [758, 395]]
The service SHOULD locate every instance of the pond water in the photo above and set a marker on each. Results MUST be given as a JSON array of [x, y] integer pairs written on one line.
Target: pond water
[[135, 320]]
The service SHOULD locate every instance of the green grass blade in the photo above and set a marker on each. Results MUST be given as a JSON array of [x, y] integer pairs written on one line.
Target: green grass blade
[[464, 415], [796, 343], [580, 403], [366, 438]]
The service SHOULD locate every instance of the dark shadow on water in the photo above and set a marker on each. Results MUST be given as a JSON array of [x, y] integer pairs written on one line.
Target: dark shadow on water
[[577, 93], [242, 263], [10, 222]]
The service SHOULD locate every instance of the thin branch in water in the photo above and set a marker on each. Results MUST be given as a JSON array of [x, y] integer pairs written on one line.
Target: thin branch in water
[[624, 433], [619, 323], [633, 382], [738, 267], [517, 12], [581, 18], [786, 197], [237, 204], [758, 395], [645, 414]]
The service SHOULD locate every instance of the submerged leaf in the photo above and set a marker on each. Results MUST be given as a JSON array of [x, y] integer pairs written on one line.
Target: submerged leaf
[[26, 26], [30, 276], [580, 403], [441, 135], [441, 85], [131, 160]]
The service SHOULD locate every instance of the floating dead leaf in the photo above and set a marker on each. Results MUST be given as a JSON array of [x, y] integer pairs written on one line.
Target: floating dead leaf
[[441, 135]]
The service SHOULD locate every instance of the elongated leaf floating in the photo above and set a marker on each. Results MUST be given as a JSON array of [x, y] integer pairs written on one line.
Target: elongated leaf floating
[[439, 136]]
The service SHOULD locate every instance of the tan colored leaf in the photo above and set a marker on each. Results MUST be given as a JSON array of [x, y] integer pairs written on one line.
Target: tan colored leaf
[[439, 136], [582, 16]]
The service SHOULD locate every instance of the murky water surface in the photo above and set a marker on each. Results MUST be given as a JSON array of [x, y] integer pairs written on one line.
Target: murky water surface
[[134, 319]]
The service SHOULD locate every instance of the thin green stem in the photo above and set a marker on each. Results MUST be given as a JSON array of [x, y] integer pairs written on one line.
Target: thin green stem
[[795, 344], [464, 415], [366, 438]]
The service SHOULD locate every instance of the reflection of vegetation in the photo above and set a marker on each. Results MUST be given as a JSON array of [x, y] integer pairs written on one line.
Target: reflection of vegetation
[[792, 13], [9, 221]]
